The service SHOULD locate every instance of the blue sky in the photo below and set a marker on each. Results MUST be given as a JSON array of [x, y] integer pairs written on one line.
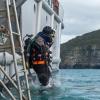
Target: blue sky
[[80, 16]]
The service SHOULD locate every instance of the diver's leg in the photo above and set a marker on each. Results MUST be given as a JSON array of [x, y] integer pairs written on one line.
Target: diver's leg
[[43, 73]]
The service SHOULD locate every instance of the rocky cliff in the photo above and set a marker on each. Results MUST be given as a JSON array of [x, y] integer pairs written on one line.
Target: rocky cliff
[[82, 52]]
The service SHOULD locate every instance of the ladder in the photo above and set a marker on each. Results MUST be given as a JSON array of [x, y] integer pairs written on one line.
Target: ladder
[[8, 12]]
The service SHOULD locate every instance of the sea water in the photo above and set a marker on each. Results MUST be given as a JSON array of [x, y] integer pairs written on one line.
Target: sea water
[[72, 84]]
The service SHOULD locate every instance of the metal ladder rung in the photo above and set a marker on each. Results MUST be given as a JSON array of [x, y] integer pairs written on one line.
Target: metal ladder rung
[[3, 10], [22, 71], [8, 91], [5, 47], [3, 13], [15, 33]]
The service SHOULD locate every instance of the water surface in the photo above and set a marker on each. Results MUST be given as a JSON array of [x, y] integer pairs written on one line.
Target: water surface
[[70, 84], [78, 84]]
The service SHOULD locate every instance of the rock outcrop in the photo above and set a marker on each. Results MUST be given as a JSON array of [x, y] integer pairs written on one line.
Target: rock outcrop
[[82, 52]]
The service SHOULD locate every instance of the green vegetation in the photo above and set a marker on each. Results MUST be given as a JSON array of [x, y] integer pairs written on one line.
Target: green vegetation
[[86, 39]]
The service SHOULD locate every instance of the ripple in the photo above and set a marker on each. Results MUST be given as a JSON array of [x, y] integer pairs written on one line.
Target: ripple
[[73, 85]]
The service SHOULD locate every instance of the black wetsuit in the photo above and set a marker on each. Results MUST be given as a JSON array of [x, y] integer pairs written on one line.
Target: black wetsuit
[[38, 53]]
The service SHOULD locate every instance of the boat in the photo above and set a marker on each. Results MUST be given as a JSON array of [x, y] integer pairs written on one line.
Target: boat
[[32, 16], [44, 13]]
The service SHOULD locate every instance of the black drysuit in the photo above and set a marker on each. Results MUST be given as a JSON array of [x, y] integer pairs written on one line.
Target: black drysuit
[[38, 53]]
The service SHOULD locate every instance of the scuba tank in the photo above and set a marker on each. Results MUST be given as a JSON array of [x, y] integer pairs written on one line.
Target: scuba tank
[[27, 41]]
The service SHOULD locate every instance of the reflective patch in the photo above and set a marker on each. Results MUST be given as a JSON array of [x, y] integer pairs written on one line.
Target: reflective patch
[[39, 62]]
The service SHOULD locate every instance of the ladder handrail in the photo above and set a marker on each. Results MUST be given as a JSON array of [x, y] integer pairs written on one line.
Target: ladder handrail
[[12, 3], [8, 77], [13, 49], [8, 91], [22, 50], [13, 83]]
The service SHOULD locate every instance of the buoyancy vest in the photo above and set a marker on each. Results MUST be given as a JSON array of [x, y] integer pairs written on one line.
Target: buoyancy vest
[[47, 40], [38, 54]]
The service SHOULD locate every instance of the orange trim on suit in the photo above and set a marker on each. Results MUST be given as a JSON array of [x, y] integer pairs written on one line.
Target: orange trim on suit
[[39, 62]]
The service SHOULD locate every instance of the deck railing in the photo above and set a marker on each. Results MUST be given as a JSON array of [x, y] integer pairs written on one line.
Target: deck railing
[[61, 12], [57, 7]]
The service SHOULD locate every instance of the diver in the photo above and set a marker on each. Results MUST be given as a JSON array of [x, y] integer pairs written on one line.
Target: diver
[[39, 54]]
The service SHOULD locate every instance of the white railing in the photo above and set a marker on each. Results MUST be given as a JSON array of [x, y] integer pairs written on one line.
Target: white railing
[[49, 2], [61, 12]]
